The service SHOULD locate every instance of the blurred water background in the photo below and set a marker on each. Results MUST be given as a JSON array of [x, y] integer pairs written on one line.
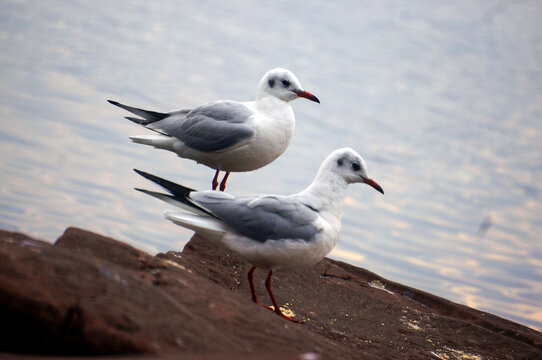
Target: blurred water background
[[443, 100]]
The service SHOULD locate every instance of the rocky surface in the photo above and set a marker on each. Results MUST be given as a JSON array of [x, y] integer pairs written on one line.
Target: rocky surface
[[89, 295]]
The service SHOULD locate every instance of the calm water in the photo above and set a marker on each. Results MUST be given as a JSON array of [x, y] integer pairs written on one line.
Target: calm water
[[443, 100]]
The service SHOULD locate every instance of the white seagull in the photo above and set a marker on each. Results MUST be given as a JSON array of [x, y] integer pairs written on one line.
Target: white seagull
[[272, 232], [228, 135]]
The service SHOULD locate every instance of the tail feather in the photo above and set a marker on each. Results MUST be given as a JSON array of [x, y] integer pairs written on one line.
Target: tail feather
[[149, 116], [200, 224], [159, 141]]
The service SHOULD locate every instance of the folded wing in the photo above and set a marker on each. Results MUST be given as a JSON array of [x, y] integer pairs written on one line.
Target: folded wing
[[261, 218], [211, 127]]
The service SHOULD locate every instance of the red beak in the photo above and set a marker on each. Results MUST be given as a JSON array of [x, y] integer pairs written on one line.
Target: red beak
[[373, 183], [306, 95]]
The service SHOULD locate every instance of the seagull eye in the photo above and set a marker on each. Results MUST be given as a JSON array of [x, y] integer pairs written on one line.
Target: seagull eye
[[356, 166], [286, 83]]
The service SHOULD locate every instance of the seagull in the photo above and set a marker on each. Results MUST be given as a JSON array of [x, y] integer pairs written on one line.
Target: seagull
[[272, 232], [228, 135]]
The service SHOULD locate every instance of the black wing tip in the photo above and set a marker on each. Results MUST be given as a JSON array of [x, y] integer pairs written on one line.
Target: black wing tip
[[137, 120], [148, 115], [178, 192], [170, 186], [152, 193], [157, 195], [146, 175]]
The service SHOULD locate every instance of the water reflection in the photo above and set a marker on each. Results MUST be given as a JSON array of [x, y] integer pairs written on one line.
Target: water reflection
[[443, 102]]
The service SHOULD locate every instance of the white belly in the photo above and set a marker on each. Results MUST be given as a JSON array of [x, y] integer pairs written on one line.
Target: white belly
[[255, 153], [281, 254]]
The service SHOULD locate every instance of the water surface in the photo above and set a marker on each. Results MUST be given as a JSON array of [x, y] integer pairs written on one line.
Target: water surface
[[443, 100]]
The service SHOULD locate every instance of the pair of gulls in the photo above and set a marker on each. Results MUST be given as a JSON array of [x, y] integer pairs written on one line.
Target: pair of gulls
[[272, 232]]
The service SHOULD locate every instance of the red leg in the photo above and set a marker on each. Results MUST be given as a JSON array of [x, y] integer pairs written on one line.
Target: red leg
[[277, 308], [251, 283], [215, 180], [252, 289], [223, 183]]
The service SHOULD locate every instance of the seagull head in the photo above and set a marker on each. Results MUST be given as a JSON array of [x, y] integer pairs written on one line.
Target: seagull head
[[282, 84], [349, 165]]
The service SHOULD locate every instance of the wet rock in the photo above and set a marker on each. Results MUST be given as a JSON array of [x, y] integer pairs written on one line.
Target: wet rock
[[92, 295]]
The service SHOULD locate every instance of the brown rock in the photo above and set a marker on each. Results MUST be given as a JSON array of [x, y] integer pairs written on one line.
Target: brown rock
[[92, 295]]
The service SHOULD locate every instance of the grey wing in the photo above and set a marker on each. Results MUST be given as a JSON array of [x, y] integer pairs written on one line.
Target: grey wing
[[264, 218], [210, 127]]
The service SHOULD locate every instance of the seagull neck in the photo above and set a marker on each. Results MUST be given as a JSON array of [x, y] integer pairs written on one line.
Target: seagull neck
[[326, 193], [266, 101]]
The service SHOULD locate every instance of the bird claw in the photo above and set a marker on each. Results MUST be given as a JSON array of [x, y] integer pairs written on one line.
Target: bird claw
[[266, 306], [280, 313], [290, 318]]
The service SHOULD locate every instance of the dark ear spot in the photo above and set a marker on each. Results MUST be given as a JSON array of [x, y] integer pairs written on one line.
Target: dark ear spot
[[271, 82], [340, 162]]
